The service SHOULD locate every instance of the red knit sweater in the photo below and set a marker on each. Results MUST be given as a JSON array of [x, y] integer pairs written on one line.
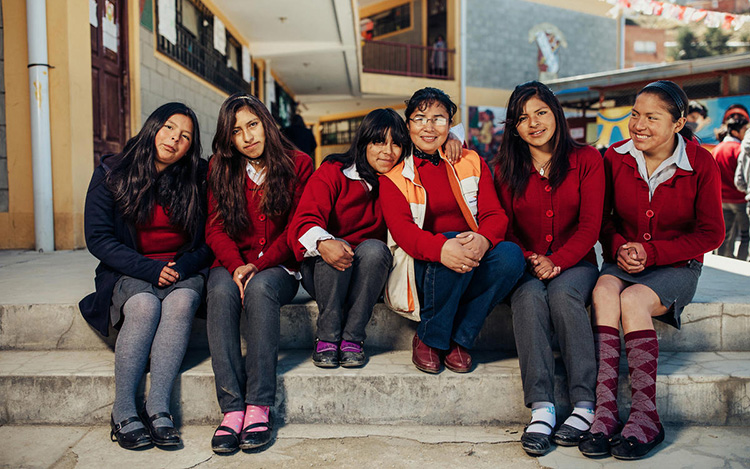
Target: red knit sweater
[[726, 154], [682, 221], [344, 207], [442, 212], [565, 220], [158, 239], [264, 243]]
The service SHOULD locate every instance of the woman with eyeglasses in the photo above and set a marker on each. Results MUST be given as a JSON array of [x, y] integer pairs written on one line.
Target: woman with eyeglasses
[[451, 265], [662, 212], [255, 181], [338, 233], [552, 189]]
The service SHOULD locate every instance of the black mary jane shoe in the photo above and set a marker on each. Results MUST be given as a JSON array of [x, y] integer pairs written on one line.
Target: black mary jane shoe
[[568, 435], [630, 448], [595, 445], [222, 444], [535, 443], [252, 440], [325, 359], [129, 440], [161, 436]]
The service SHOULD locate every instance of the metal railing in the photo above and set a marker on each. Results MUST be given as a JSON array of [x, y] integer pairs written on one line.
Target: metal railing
[[206, 62], [393, 58]]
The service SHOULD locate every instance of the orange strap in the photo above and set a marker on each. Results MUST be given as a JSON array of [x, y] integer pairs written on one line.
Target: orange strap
[[456, 189]]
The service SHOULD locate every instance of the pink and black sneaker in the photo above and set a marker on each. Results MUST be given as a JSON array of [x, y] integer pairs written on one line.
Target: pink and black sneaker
[[326, 354], [352, 354]]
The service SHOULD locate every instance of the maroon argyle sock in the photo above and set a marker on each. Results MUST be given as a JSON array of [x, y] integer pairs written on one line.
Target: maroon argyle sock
[[607, 348], [642, 349]]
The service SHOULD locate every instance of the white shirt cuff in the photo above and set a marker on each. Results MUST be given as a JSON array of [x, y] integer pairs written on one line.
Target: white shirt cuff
[[311, 238]]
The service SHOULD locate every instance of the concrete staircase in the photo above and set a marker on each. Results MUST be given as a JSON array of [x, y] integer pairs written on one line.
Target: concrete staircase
[[49, 357]]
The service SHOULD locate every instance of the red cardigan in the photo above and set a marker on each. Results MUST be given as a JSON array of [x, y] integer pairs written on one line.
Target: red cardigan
[[565, 220], [344, 207], [442, 214], [682, 221], [266, 235], [726, 154], [158, 239]]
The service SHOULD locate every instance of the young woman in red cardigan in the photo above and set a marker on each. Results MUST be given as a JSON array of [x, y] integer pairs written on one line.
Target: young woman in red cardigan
[[256, 178], [339, 234], [144, 220], [662, 212], [552, 190]]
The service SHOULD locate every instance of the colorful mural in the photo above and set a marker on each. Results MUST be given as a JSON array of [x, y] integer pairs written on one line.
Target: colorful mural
[[485, 130], [716, 108], [612, 125]]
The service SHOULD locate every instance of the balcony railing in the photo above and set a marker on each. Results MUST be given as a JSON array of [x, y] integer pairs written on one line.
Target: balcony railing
[[206, 62], [393, 58]]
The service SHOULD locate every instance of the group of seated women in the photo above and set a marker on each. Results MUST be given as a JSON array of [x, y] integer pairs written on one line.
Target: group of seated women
[[409, 215]]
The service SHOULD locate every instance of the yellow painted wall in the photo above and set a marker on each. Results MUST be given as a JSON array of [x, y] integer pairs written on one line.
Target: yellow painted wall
[[17, 225], [487, 96], [70, 116]]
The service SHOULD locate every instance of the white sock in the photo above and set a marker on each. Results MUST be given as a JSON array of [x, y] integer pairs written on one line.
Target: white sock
[[542, 412], [583, 410]]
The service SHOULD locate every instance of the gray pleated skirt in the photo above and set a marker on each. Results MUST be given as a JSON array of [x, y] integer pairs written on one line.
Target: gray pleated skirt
[[129, 286], [675, 286]]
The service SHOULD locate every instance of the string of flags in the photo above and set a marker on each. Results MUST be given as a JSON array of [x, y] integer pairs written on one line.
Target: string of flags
[[712, 19]]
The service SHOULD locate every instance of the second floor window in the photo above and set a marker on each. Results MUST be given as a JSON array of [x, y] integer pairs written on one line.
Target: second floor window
[[391, 21]]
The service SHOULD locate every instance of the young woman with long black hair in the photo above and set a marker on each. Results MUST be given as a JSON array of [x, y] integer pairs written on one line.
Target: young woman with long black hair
[[662, 212], [339, 234], [552, 190], [144, 220], [255, 181]]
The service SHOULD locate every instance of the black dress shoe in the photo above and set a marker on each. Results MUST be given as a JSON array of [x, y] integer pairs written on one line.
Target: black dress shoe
[[129, 440], [326, 358], [161, 436], [352, 358], [250, 440], [535, 443], [594, 445], [225, 443], [568, 435], [630, 448]]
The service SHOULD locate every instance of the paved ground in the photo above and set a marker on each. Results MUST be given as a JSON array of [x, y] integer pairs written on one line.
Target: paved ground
[[305, 446]]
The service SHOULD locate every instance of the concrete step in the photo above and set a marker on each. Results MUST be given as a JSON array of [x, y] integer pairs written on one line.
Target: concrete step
[[77, 388], [706, 327]]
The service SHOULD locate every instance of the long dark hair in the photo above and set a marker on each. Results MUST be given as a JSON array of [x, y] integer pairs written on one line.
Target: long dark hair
[[513, 161], [227, 178], [373, 129], [137, 186], [734, 123], [674, 99]]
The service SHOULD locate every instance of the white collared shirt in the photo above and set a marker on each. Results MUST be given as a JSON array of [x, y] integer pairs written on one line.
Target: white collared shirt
[[666, 169], [314, 235]]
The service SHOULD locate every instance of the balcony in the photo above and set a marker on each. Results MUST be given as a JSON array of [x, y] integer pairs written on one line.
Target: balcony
[[393, 58]]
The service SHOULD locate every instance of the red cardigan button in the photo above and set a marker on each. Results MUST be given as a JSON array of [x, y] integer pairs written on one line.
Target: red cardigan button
[[548, 238], [547, 188], [550, 214], [262, 217], [649, 213], [262, 241], [647, 236]]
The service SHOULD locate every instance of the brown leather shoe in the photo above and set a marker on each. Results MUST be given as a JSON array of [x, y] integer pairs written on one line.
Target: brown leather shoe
[[458, 359], [424, 357]]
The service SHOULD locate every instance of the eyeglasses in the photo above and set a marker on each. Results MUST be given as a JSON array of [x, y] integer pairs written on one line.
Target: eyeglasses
[[436, 121]]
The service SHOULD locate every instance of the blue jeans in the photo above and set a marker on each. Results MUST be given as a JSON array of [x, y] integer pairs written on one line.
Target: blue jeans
[[252, 380], [454, 305], [542, 308], [345, 299]]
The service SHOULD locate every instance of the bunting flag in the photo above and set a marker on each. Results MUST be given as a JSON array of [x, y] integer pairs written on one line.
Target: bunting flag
[[712, 19]]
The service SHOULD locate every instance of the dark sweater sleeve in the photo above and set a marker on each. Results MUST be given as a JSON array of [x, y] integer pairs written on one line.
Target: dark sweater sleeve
[[102, 240], [199, 256]]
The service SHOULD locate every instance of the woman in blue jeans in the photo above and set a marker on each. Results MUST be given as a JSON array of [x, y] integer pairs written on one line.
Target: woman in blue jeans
[[552, 189], [256, 177], [451, 264]]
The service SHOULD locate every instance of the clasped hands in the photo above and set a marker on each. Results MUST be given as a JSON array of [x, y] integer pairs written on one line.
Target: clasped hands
[[168, 275], [542, 267], [242, 275], [463, 253], [631, 257]]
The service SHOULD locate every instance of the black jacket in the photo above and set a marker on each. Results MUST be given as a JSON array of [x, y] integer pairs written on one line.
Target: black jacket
[[112, 240]]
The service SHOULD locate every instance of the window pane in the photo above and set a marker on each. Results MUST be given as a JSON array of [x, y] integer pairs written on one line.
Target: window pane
[[190, 18]]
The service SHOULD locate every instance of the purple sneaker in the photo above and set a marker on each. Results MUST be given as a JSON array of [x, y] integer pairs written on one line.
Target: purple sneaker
[[352, 354], [326, 354]]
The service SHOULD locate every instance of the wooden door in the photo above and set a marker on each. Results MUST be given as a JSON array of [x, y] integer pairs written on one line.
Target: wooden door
[[110, 76]]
